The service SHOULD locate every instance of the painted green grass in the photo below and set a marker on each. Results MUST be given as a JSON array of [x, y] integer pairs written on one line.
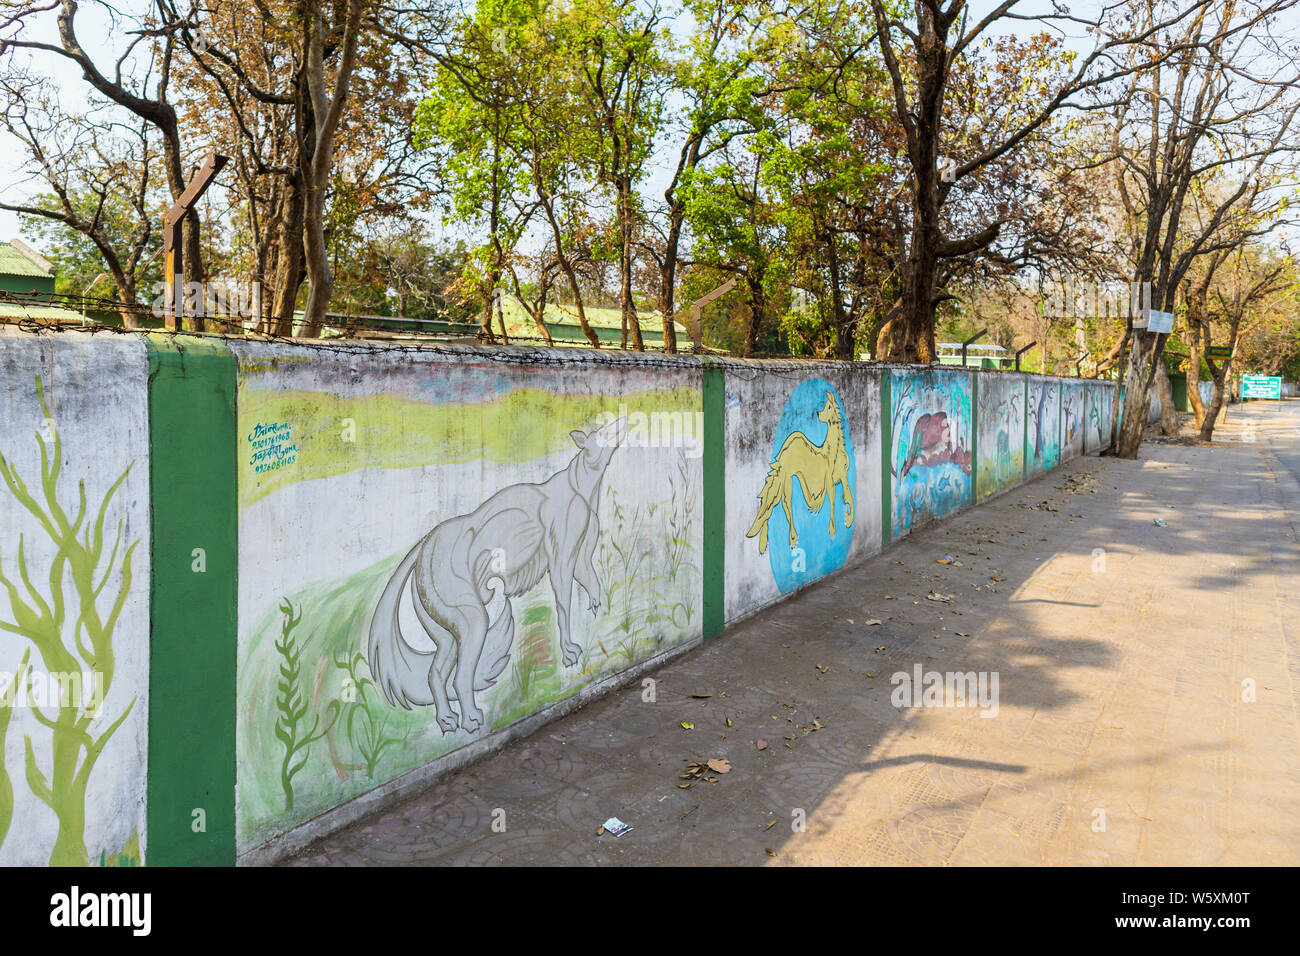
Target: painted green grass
[[128, 856], [521, 425]]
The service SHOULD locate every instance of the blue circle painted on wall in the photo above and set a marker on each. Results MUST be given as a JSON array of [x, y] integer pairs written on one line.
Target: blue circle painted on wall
[[811, 482]]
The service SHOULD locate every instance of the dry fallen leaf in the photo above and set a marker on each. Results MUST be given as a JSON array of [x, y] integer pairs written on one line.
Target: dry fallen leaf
[[701, 696], [874, 621], [762, 745], [687, 725], [769, 851], [719, 765]]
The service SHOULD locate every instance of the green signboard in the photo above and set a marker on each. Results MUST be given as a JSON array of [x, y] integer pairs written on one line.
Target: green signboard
[[1219, 351], [1261, 386]]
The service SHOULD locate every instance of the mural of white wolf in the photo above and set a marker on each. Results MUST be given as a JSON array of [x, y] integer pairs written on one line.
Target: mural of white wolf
[[464, 572]]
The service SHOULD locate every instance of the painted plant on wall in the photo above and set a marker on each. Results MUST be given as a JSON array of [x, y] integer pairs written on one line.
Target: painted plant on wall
[[1042, 411], [1097, 430], [64, 684], [812, 467], [1073, 411], [1001, 424], [519, 544], [931, 463]]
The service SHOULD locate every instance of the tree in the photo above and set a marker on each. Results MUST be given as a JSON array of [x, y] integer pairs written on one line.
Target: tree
[[144, 93], [1196, 118], [99, 205], [471, 117], [922, 53], [614, 45]]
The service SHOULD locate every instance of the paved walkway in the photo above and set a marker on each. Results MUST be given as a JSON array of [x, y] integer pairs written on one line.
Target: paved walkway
[[1124, 651]]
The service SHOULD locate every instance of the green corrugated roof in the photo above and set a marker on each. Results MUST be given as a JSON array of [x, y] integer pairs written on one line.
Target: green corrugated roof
[[14, 263], [44, 313]]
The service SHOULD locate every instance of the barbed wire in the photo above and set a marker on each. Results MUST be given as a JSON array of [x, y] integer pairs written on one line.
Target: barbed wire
[[358, 336]]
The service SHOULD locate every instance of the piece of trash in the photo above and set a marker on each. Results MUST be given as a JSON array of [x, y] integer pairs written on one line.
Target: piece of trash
[[936, 596], [946, 559], [728, 721], [769, 851], [662, 799], [869, 674], [687, 725], [762, 745], [875, 621], [1159, 523], [961, 633], [769, 826], [879, 648], [615, 826]]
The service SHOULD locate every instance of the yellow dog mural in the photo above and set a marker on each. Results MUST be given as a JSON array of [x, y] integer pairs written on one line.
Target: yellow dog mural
[[819, 469]]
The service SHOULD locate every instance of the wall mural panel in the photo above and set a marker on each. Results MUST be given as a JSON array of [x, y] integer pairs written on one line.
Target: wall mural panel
[[803, 477], [1073, 419], [1001, 432], [433, 549], [1042, 414], [931, 461], [1101, 399], [74, 609]]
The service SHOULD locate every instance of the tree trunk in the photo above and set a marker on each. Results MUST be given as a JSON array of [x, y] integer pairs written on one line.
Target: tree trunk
[[1168, 413], [1194, 379], [667, 283], [320, 279], [625, 263], [289, 264], [1140, 376], [1217, 399]]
